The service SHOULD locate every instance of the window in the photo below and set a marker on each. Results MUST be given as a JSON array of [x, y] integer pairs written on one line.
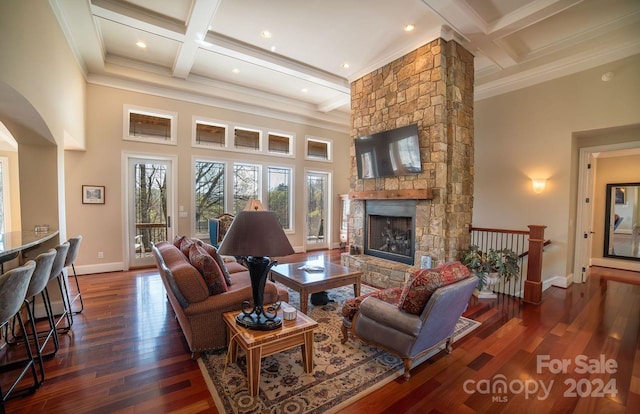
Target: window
[[209, 179], [318, 149], [209, 134], [280, 144], [5, 214], [279, 197], [150, 125], [246, 185], [247, 139]]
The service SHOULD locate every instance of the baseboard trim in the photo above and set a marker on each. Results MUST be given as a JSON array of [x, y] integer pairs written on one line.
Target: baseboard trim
[[100, 268], [560, 281], [617, 264]]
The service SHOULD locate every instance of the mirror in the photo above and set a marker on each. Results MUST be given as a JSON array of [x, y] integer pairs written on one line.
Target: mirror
[[622, 221]]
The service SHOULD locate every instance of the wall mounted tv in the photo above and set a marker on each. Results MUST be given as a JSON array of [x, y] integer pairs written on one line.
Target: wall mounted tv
[[389, 153]]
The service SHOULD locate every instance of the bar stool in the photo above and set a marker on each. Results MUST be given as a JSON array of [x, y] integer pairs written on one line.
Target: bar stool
[[13, 288], [56, 273], [74, 246], [39, 280]]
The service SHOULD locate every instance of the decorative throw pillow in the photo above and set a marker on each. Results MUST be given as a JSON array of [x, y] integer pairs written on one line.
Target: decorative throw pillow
[[208, 268], [177, 241], [389, 295], [213, 252], [185, 245], [419, 288]]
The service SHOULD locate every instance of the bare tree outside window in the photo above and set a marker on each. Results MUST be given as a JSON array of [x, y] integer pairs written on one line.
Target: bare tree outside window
[[151, 201], [279, 196], [209, 192], [246, 185]]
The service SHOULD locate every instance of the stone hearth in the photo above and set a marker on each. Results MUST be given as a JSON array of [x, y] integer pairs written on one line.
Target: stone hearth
[[380, 273]]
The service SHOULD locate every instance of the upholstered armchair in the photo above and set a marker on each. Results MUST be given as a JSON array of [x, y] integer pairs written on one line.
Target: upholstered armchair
[[411, 321], [218, 227]]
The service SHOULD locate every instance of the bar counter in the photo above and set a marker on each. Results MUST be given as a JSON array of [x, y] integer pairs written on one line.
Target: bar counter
[[14, 242]]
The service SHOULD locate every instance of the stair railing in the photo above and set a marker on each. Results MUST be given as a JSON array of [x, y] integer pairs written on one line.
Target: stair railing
[[528, 246]]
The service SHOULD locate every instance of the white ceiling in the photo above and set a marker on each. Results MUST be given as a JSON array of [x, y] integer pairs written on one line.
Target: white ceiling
[[193, 46]]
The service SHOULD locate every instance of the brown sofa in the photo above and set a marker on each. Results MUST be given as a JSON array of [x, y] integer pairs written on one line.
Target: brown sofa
[[198, 312]]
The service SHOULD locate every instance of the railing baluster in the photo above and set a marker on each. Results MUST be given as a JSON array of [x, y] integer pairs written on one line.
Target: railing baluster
[[518, 241]]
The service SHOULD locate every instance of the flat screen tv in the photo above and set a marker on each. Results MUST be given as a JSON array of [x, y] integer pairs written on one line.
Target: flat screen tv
[[389, 153]]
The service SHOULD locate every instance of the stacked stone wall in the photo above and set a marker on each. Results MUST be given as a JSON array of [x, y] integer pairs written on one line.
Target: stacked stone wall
[[433, 87]]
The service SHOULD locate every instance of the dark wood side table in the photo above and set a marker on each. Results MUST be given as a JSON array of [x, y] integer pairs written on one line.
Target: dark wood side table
[[307, 282]]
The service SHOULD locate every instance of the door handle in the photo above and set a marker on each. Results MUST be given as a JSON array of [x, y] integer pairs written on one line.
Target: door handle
[[168, 222]]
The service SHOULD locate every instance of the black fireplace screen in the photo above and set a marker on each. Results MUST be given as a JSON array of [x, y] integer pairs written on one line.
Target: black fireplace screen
[[391, 234], [389, 230]]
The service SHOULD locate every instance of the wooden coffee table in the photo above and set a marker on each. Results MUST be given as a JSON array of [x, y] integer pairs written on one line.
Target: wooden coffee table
[[259, 344], [307, 282]]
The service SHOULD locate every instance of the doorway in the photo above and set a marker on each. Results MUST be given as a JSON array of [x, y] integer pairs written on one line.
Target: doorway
[[149, 211], [589, 243], [317, 212]]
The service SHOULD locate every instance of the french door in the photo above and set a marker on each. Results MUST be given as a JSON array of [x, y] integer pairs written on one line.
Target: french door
[[317, 212], [149, 201]]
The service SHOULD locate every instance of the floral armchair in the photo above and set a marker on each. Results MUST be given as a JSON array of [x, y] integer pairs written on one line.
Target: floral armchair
[[411, 321]]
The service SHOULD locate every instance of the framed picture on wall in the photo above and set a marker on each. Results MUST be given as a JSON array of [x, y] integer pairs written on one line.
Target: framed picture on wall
[[92, 194], [621, 195]]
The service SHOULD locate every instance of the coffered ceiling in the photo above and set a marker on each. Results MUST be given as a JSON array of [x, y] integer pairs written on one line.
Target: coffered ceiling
[[219, 52]]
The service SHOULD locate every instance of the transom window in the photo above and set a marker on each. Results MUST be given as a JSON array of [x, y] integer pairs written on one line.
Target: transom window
[[209, 134], [247, 139], [150, 125], [280, 144], [318, 149]]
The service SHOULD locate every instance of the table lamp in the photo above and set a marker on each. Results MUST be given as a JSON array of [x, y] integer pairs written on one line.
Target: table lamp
[[256, 235]]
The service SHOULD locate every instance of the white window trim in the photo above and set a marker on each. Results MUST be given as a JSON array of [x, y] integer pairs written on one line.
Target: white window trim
[[291, 168], [225, 203], [6, 193], [327, 141], [208, 121], [173, 116]]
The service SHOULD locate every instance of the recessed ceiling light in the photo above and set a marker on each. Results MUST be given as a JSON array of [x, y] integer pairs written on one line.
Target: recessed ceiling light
[[345, 65], [141, 44], [235, 70], [409, 27], [266, 34], [305, 90], [273, 48]]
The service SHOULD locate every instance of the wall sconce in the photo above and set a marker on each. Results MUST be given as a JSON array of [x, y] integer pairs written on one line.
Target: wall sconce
[[538, 184]]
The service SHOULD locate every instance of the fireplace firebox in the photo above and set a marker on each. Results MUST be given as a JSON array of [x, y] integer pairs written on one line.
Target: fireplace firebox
[[389, 231]]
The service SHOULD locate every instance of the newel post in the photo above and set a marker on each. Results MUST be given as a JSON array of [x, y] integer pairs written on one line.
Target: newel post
[[533, 284]]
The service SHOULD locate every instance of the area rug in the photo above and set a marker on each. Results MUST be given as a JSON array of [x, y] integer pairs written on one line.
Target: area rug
[[341, 374]]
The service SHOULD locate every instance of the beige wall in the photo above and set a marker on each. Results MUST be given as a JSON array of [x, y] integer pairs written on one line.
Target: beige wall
[[528, 133], [40, 78], [38, 63], [609, 171], [14, 186], [101, 164]]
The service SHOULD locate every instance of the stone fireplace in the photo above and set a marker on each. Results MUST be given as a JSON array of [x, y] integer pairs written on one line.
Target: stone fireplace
[[389, 230], [432, 87]]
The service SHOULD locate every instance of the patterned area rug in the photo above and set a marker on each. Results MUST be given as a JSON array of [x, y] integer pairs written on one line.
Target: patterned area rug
[[341, 375]]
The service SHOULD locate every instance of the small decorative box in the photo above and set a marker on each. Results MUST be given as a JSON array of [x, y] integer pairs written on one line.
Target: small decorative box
[[289, 313]]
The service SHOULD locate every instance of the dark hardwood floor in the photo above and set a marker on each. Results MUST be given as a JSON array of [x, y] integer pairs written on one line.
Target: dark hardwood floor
[[126, 354]]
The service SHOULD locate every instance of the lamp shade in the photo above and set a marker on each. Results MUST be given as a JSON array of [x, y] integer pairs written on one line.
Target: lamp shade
[[256, 233]]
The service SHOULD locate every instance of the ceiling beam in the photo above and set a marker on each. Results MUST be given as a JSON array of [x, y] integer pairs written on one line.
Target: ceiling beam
[[201, 16]]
